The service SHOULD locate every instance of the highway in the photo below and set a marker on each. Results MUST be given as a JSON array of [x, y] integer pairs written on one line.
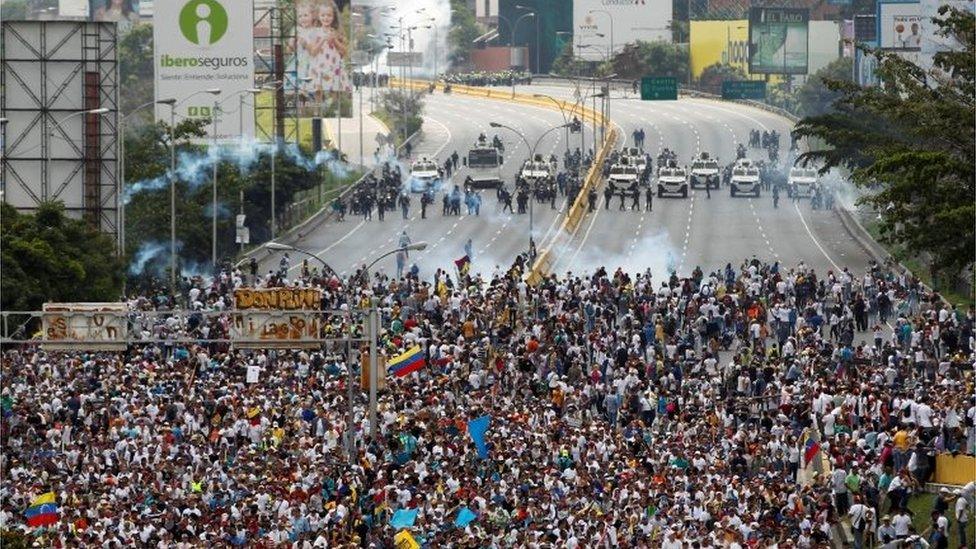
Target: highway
[[698, 231], [451, 122], [678, 234]]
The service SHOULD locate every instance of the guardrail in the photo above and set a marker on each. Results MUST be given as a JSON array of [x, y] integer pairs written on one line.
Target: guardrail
[[574, 215]]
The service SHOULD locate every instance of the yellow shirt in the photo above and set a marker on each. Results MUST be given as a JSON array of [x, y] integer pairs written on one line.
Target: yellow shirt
[[900, 439]]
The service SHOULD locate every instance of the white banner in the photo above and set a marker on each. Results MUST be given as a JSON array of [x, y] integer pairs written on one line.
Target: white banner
[[645, 20], [89, 326], [202, 45]]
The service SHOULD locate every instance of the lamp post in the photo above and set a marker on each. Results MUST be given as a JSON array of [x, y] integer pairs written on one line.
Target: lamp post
[[57, 125], [172, 103], [122, 167], [610, 16], [373, 330], [538, 37], [532, 149], [562, 112], [514, 30]]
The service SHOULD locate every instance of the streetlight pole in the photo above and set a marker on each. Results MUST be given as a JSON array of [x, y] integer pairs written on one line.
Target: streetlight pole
[[514, 29], [372, 326], [538, 37], [532, 149], [559, 105], [122, 120]]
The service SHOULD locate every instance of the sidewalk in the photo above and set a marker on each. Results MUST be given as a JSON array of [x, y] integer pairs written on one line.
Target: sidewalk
[[372, 129]]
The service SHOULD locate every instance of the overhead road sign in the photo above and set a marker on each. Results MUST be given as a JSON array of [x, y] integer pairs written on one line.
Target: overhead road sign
[[659, 88], [404, 59], [743, 89]]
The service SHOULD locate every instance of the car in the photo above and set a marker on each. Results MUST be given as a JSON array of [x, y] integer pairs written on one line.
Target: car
[[623, 176], [538, 171], [745, 178], [705, 172], [425, 176], [484, 165], [802, 182], [672, 179]]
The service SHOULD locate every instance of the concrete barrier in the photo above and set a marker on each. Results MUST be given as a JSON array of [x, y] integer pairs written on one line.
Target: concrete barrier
[[956, 470]]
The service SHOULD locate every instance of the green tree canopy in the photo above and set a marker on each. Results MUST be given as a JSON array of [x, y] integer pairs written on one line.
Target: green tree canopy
[[657, 58], [909, 142], [136, 70], [712, 76], [48, 256], [464, 29], [815, 97]]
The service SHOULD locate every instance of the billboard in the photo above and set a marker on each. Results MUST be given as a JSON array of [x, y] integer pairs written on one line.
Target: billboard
[[123, 12], [321, 49], [725, 42], [900, 25], [778, 40], [646, 20], [201, 45], [73, 9], [276, 317]]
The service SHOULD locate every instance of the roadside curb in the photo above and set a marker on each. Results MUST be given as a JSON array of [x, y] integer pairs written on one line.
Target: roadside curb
[[860, 234]]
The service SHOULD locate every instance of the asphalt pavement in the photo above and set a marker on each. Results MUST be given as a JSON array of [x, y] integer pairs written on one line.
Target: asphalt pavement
[[677, 234], [451, 122]]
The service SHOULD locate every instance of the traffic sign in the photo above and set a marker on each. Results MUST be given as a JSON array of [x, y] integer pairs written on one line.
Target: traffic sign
[[743, 89], [404, 59], [659, 88]]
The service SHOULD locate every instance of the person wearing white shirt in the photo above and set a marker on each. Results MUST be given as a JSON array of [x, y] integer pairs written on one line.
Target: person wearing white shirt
[[961, 515]]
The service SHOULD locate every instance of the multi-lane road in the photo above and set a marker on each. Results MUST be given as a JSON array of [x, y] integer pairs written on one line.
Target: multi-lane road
[[678, 233]]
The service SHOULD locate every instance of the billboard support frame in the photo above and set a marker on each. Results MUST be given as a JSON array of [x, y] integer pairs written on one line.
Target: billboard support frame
[[67, 56], [275, 61]]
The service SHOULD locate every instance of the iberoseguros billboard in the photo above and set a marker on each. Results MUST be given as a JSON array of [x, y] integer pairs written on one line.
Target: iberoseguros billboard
[[201, 45], [714, 42]]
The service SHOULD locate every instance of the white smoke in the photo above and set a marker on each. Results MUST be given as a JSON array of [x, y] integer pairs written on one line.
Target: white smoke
[[421, 14]]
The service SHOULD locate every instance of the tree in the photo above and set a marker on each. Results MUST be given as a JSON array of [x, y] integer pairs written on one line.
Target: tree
[[13, 10], [909, 142], [464, 30], [396, 105], [567, 64], [136, 69], [712, 76], [48, 256], [815, 97], [657, 58]]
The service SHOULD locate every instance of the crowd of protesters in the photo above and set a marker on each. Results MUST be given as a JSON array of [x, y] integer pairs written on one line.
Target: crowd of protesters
[[488, 78], [754, 405]]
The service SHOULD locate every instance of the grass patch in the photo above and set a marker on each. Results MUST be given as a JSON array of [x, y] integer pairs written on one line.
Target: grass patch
[[947, 289], [921, 508]]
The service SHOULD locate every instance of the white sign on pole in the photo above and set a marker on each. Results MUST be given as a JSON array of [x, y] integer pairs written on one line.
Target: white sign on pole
[[646, 20], [201, 45]]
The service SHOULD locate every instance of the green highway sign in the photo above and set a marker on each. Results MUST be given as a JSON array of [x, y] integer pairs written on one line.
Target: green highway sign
[[659, 88], [743, 89]]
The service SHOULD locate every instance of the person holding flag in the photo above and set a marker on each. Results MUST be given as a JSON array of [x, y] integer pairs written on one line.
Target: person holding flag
[[43, 511], [407, 362]]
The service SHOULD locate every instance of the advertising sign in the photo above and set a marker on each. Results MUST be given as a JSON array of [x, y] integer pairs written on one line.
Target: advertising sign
[[276, 317], [322, 48], [73, 9], [725, 42], [646, 20], [778, 40], [123, 12], [743, 89], [90, 326], [659, 88], [404, 59], [900, 25], [201, 45], [865, 66]]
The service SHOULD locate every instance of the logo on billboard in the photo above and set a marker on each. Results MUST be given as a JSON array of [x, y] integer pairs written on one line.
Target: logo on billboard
[[203, 22]]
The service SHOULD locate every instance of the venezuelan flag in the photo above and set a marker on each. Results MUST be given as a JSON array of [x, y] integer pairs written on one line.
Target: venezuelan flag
[[463, 265], [407, 362], [43, 511]]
